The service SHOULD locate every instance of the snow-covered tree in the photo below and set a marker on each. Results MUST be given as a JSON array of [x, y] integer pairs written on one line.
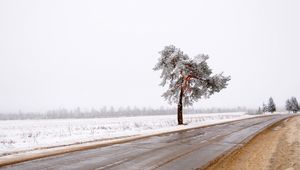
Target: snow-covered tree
[[189, 79], [271, 105], [259, 111], [293, 105], [288, 105], [264, 108]]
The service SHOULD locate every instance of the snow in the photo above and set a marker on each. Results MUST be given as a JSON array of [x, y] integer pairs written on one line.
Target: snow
[[200, 58], [25, 135]]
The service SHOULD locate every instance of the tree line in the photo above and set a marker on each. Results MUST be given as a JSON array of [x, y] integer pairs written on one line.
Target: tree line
[[107, 112], [291, 105]]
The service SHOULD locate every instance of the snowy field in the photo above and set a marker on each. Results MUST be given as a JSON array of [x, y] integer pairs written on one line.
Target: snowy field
[[23, 135]]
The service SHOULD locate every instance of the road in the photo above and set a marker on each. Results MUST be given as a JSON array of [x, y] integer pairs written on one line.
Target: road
[[190, 149]]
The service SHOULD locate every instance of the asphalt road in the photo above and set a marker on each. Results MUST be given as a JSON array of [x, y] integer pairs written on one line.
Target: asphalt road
[[183, 150]]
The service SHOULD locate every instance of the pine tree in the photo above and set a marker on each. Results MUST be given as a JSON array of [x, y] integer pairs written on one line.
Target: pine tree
[[264, 108], [294, 105], [259, 111], [288, 105], [271, 105], [189, 79]]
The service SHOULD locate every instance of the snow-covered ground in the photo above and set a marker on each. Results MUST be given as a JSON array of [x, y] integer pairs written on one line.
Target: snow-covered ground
[[19, 135]]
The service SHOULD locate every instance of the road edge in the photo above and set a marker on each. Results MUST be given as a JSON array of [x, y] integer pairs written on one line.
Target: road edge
[[236, 148]]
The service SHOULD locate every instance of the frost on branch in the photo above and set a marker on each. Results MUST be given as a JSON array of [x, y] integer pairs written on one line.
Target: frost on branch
[[191, 76], [200, 58]]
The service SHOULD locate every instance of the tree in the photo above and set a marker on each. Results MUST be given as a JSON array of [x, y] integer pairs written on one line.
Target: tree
[[259, 111], [264, 108], [293, 105], [188, 79], [288, 105], [271, 105]]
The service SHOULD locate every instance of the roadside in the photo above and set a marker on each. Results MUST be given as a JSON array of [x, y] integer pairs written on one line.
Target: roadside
[[19, 136], [21, 157], [276, 148], [187, 149]]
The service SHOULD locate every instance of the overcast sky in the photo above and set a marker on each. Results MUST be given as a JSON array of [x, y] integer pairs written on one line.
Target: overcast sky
[[94, 53]]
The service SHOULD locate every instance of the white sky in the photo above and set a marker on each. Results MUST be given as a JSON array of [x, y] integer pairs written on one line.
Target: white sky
[[95, 53]]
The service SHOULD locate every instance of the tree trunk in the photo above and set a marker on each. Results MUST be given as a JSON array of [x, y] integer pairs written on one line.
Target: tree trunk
[[179, 108]]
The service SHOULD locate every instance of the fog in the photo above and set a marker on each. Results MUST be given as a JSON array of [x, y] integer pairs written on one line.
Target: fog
[[69, 53]]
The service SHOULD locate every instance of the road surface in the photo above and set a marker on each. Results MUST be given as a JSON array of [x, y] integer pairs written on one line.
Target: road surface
[[190, 149]]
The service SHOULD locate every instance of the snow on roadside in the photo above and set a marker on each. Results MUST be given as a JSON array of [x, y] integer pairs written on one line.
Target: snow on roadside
[[19, 135]]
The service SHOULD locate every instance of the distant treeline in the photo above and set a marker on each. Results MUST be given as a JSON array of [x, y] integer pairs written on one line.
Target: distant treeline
[[110, 112]]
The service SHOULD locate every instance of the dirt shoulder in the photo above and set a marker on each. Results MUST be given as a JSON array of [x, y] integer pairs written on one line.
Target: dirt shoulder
[[276, 148]]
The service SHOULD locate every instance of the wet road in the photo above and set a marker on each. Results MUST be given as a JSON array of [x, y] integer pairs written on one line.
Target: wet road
[[189, 149]]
